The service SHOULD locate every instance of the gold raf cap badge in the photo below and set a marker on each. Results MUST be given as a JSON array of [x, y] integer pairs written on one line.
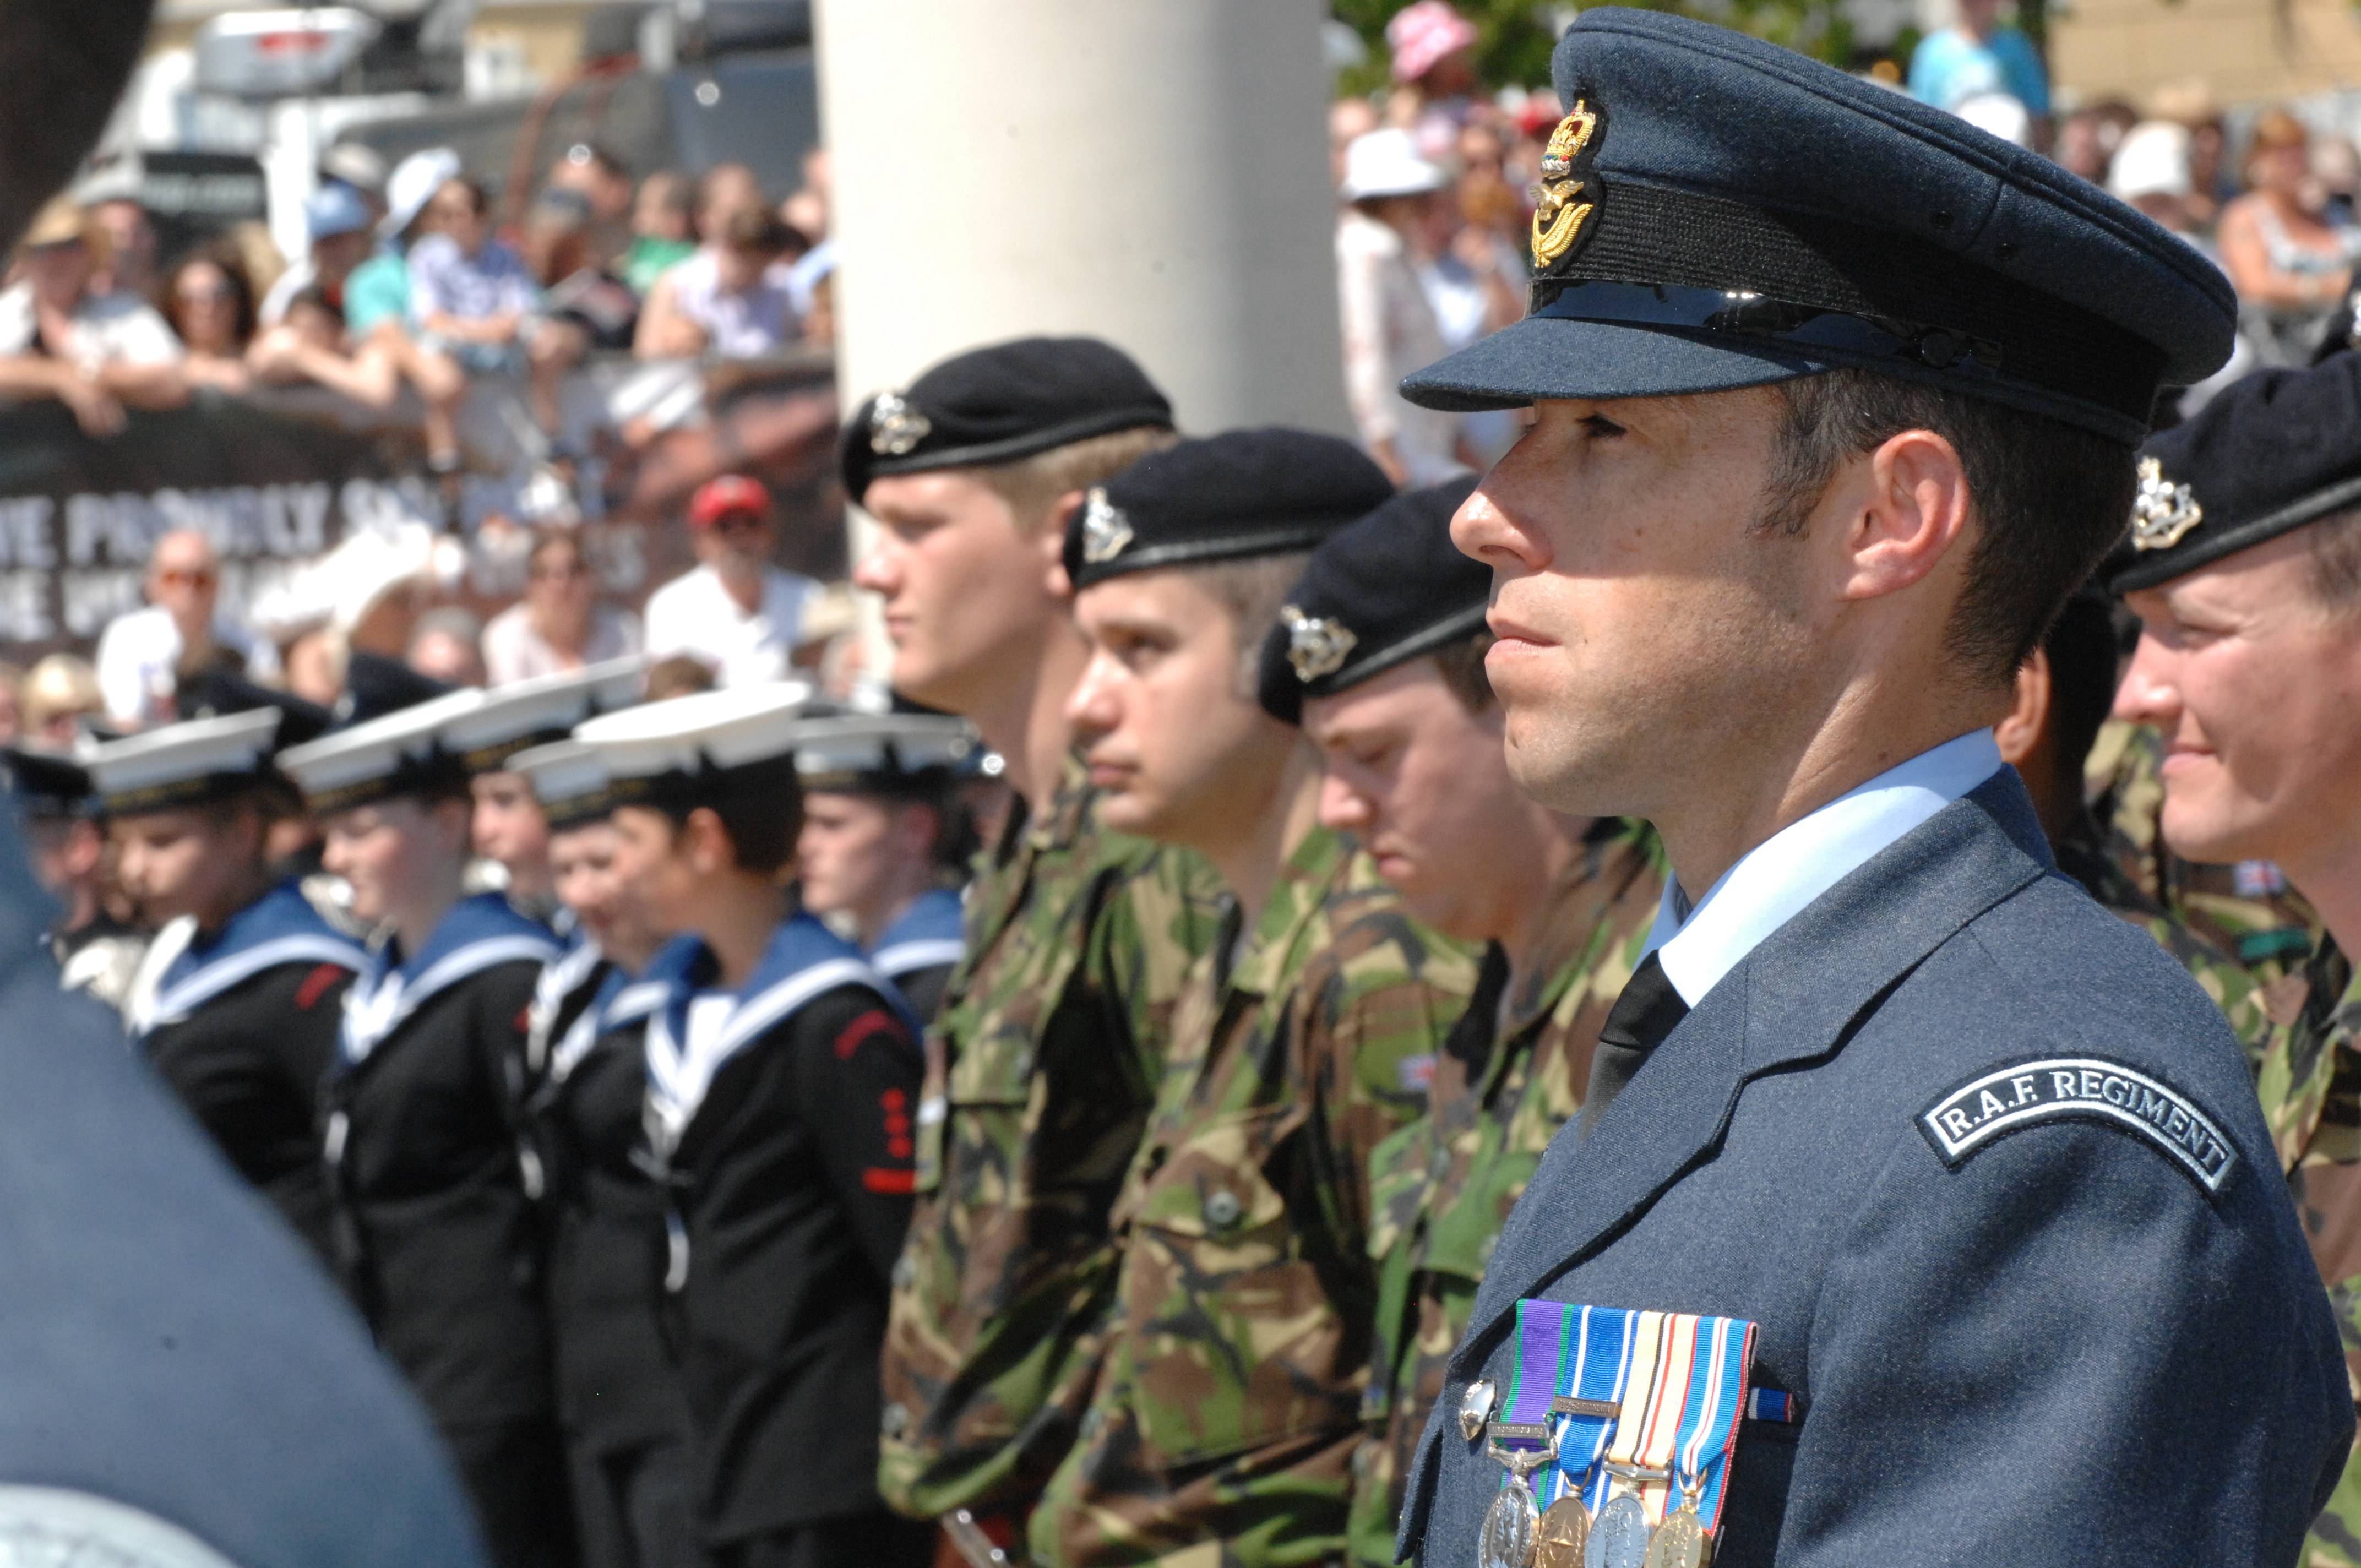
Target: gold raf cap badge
[[2163, 512], [1315, 648], [1105, 530], [1558, 215], [894, 427]]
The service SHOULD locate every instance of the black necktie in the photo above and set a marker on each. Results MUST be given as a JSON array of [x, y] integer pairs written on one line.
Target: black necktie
[[1646, 1012]]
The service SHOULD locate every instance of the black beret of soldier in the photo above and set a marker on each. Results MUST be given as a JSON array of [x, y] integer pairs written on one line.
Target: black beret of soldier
[[2271, 451], [997, 404], [1375, 595], [1223, 497], [1715, 211], [47, 785]]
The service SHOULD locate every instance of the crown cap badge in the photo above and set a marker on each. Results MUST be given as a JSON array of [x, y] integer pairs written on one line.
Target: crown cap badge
[[1316, 645], [894, 427], [1105, 530], [2163, 512]]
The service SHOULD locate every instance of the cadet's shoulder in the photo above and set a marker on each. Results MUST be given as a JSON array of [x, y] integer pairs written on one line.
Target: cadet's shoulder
[[1364, 941]]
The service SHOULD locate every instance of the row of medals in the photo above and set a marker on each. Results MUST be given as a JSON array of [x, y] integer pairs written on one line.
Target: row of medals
[[1519, 1533]]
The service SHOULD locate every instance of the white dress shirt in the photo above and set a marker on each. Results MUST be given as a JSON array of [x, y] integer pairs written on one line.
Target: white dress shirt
[[140, 649], [1770, 885], [693, 614]]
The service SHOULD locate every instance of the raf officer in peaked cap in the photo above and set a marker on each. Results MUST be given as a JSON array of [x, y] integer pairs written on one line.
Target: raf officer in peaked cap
[[1919, 1209], [2243, 566], [1378, 655]]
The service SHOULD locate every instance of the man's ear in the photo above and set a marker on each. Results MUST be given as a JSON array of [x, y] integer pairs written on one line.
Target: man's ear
[[1915, 511], [705, 842], [2020, 731], [1052, 542]]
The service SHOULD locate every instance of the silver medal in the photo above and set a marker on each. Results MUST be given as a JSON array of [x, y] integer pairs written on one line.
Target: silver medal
[[1512, 1523], [1618, 1536]]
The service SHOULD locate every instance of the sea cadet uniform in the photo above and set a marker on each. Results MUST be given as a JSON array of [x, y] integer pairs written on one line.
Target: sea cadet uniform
[[1389, 589], [619, 1399], [437, 1240], [101, 956], [780, 1115], [1050, 1036], [2275, 452], [1918, 1211], [1225, 1417], [898, 757]]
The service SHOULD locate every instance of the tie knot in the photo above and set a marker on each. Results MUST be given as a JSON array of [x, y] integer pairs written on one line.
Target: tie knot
[[1646, 1012]]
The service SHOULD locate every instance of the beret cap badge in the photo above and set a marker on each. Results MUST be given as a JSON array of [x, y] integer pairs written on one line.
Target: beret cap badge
[[894, 427], [1558, 216], [2163, 512], [1105, 530], [1316, 645]]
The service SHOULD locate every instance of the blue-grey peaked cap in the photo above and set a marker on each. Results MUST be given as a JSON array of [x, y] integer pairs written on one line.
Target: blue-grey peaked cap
[[1755, 216]]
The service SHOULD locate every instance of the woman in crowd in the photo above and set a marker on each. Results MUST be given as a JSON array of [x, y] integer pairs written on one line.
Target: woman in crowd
[[310, 344], [2291, 267], [208, 301], [559, 625]]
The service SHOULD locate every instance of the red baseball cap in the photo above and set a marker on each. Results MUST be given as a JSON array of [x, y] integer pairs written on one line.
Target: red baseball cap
[[731, 493]]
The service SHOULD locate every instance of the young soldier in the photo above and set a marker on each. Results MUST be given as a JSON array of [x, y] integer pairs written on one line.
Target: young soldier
[[2244, 567], [1226, 1413], [435, 1234], [619, 1394], [1378, 654], [1051, 1036], [240, 999], [877, 803], [781, 1082], [1834, 402]]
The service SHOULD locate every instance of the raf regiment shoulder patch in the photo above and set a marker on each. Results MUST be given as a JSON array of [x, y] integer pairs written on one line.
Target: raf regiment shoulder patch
[[894, 427], [1316, 645], [1568, 195], [2162, 511], [2084, 1089], [1105, 530]]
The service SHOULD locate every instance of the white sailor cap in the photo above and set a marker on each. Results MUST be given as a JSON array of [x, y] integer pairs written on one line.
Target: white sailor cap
[[396, 754], [182, 764], [486, 733], [569, 779], [687, 747], [887, 753]]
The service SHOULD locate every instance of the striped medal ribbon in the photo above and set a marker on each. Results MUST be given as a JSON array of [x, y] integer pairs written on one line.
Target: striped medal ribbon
[[1522, 1439], [1619, 1529], [1721, 1356]]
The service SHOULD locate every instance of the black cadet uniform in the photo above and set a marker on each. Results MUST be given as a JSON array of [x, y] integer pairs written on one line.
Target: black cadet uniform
[[782, 1116], [437, 1239]]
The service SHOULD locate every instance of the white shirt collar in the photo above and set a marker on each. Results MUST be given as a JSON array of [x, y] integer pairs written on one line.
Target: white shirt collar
[[1772, 883]]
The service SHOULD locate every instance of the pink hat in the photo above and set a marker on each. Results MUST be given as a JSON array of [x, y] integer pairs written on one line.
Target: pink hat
[[1424, 35]]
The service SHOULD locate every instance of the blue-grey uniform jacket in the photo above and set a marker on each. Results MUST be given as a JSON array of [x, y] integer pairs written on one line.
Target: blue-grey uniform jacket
[[183, 1384], [2066, 1316]]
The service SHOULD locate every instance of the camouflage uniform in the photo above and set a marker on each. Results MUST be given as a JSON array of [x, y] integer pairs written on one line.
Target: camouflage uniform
[[2311, 1088], [1040, 1071], [2099, 860], [1512, 1072], [2267, 930], [1222, 1430]]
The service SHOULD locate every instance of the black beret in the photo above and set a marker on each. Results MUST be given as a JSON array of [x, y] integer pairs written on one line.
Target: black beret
[[1717, 211], [995, 405], [2271, 451], [214, 692], [1375, 595], [47, 784], [1223, 497]]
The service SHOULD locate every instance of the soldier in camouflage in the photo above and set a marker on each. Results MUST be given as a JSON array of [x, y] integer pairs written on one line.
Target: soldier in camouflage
[[1379, 655], [1042, 1064], [2063, 693], [1223, 1422], [2243, 566]]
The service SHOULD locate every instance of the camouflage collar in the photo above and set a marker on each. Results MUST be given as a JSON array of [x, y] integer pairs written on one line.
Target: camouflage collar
[[1069, 817], [1312, 872], [1615, 852]]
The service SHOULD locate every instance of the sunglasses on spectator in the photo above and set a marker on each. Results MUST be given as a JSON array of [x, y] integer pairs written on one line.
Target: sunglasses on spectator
[[184, 577]]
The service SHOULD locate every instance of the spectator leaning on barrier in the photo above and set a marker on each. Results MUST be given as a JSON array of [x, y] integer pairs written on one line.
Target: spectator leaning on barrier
[[731, 299], [142, 654], [660, 231], [312, 344], [736, 612], [95, 352], [559, 625], [208, 301], [471, 306], [377, 292], [337, 221], [131, 247]]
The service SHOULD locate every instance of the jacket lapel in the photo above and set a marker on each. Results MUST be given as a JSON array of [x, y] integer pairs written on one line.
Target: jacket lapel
[[1796, 996]]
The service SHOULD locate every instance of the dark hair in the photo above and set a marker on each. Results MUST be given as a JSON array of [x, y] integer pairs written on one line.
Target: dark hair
[[2333, 570], [762, 809], [2049, 499], [680, 675], [2081, 647], [241, 290], [757, 229], [1251, 591], [478, 194], [1461, 666], [546, 539], [314, 297]]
